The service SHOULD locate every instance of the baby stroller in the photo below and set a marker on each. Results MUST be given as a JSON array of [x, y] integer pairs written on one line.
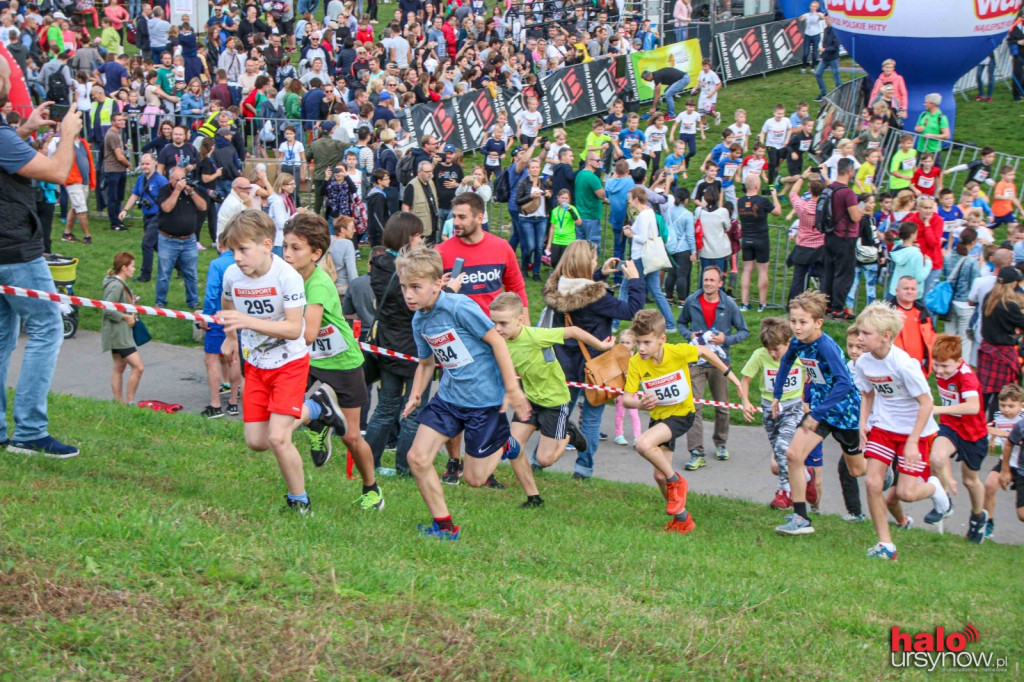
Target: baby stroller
[[64, 270]]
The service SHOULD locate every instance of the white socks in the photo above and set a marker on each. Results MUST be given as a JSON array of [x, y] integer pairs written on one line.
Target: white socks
[[939, 498]]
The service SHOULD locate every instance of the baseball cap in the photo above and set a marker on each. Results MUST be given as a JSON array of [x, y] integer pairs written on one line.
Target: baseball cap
[[518, 148], [1009, 274], [224, 131], [384, 96], [327, 126], [59, 15], [449, 149]]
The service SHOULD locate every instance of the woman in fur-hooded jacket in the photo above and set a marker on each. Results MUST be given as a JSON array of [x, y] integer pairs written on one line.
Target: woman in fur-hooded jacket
[[577, 287]]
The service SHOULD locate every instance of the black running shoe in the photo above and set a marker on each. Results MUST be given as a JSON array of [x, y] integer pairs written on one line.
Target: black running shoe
[[325, 397], [532, 502], [302, 508], [232, 410], [320, 443], [212, 412], [492, 482], [452, 472], [576, 437]]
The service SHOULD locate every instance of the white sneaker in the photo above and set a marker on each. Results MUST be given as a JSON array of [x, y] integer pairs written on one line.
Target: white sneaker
[[620, 440], [718, 118]]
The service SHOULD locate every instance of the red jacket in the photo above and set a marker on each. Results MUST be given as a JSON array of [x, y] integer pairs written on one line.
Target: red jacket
[[450, 39], [929, 237]]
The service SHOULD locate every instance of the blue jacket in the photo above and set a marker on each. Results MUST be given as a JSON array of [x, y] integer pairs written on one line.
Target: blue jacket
[[681, 237], [592, 308], [727, 318], [215, 282]]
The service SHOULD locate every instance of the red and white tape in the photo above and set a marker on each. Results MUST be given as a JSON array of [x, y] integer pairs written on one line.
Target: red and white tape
[[195, 317], [104, 305]]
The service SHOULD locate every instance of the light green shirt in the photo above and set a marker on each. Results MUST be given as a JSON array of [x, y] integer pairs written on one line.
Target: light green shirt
[[535, 362], [334, 347], [761, 365]]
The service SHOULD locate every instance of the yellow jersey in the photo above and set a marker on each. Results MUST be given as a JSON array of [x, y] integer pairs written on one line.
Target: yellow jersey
[[668, 380]]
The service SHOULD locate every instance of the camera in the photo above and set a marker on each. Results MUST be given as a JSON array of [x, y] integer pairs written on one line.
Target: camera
[[146, 204], [816, 169], [542, 140]]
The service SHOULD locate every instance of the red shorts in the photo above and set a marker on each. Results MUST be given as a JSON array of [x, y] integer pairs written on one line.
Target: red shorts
[[275, 391], [884, 445]]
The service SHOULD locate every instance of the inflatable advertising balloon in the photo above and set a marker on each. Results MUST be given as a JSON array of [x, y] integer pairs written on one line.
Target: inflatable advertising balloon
[[934, 43], [19, 92]]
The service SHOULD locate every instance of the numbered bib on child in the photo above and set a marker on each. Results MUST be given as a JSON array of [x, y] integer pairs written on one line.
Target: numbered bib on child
[[792, 380], [449, 350], [887, 387], [908, 164], [730, 169], [670, 389], [925, 182], [805, 145], [329, 342], [814, 370]]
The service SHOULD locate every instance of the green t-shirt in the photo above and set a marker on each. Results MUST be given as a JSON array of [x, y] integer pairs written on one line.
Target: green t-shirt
[[933, 125], [563, 223], [542, 375], [904, 162], [587, 203], [761, 364], [165, 79], [335, 347], [595, 141]]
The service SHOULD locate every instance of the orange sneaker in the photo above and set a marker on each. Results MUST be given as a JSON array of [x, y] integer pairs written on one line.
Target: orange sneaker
[[681, 527], [676, 493], [812, 489]]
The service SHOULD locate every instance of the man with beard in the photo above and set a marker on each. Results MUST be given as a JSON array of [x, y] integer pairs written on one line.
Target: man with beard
[[22, 264]]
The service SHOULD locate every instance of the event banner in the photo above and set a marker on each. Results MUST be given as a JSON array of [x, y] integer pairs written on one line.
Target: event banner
[[570, 93], [685, 56], [759, 49]]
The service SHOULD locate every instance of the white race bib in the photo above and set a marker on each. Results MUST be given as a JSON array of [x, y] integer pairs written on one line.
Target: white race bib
[[805, 145], [792, 380], [908, 164], [981, 175], [329, 342], [814, 372], [925, 183], [449, 350], [887, 387], [730, 169], [670, 389]]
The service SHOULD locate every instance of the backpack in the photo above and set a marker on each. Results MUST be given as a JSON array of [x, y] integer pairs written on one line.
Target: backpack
[[57, 89], [502, 188], [406, 168], [698, 233], [129, 32], [824, 221]]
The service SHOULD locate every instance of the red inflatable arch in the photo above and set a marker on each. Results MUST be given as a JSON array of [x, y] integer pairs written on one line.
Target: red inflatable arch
[[18, 96]]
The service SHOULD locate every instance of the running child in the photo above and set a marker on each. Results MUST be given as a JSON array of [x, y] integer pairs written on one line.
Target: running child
[[628, 339], [775, 134], [1009, 415], [739, 129], [800, 143], [545, 388], [1004, 199], [708, 84], [478, 383], [336, 360], [848, 484], [687, 123], [962, 431], [217, 366], [764, 363], [814, 462], [658, 380], [834, 402], [264, 299], [898, 427]]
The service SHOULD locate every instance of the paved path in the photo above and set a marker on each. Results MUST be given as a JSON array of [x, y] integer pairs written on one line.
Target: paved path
[[176, 374]]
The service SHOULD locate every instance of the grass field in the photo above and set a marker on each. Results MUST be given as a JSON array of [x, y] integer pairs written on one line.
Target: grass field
[[159, 557]]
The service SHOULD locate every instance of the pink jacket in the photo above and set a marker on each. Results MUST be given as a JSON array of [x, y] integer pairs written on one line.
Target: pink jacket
[[899, 88]]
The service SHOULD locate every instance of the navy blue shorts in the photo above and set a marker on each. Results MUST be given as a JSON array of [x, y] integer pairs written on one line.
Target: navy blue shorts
[[486, 428], [1010, 217], [815, 458], [972, 453], [213, 339]]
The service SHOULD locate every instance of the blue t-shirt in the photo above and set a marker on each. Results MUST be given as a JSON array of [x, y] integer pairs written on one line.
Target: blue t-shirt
[[629, 138], [113, 73], [617, 192], [17, 152], [834, 398], [150, 192], [673, 160], [215, 282], [452, 331]]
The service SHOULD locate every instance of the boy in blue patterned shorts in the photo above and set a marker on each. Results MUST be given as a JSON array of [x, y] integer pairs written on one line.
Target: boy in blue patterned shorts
[[835, 403], [478, 383]]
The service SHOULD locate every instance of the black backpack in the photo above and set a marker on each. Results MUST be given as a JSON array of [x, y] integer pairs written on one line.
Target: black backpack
[[502, 187], [57, 88], [824, 221], [406, 168]]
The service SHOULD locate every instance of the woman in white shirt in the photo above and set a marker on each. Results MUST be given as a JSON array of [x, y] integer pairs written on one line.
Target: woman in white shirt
[[476, 182], [281, 207], [714, 222], [643, 229]]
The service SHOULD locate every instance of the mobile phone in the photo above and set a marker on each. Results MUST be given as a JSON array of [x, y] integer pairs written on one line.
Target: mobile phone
[[58, 111], [457, 268]]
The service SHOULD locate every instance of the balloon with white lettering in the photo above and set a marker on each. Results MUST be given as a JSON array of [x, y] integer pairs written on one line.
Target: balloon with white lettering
[[933, 43]]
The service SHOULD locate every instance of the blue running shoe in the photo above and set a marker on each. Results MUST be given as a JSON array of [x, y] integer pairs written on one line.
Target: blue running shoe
[[435, 531], [879, 551], [795, 525], [47, 446], [511, 449]]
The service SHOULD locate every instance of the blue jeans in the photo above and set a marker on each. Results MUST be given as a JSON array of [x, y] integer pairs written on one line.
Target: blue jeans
[[832, 64], [180, 253], [590, 426], [45, 335], [591, 231], [134, 7], [307, 6], [673, 90], [391, 398], [930, 281], [810, 56], [722, 263], [681, 33], [532, 232], [979, 72], [115, 195], [870, 275], [653, 282], [514, 238]]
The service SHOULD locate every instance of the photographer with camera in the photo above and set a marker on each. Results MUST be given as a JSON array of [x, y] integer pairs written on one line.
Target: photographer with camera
[[181, 206], [145, 194]]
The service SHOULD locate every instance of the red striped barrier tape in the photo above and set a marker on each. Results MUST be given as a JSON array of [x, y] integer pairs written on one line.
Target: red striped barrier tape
[[195, 317]]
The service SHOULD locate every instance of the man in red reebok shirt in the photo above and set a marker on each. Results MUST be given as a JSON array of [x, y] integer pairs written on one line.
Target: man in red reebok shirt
[[490, 265], [962, 430]]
